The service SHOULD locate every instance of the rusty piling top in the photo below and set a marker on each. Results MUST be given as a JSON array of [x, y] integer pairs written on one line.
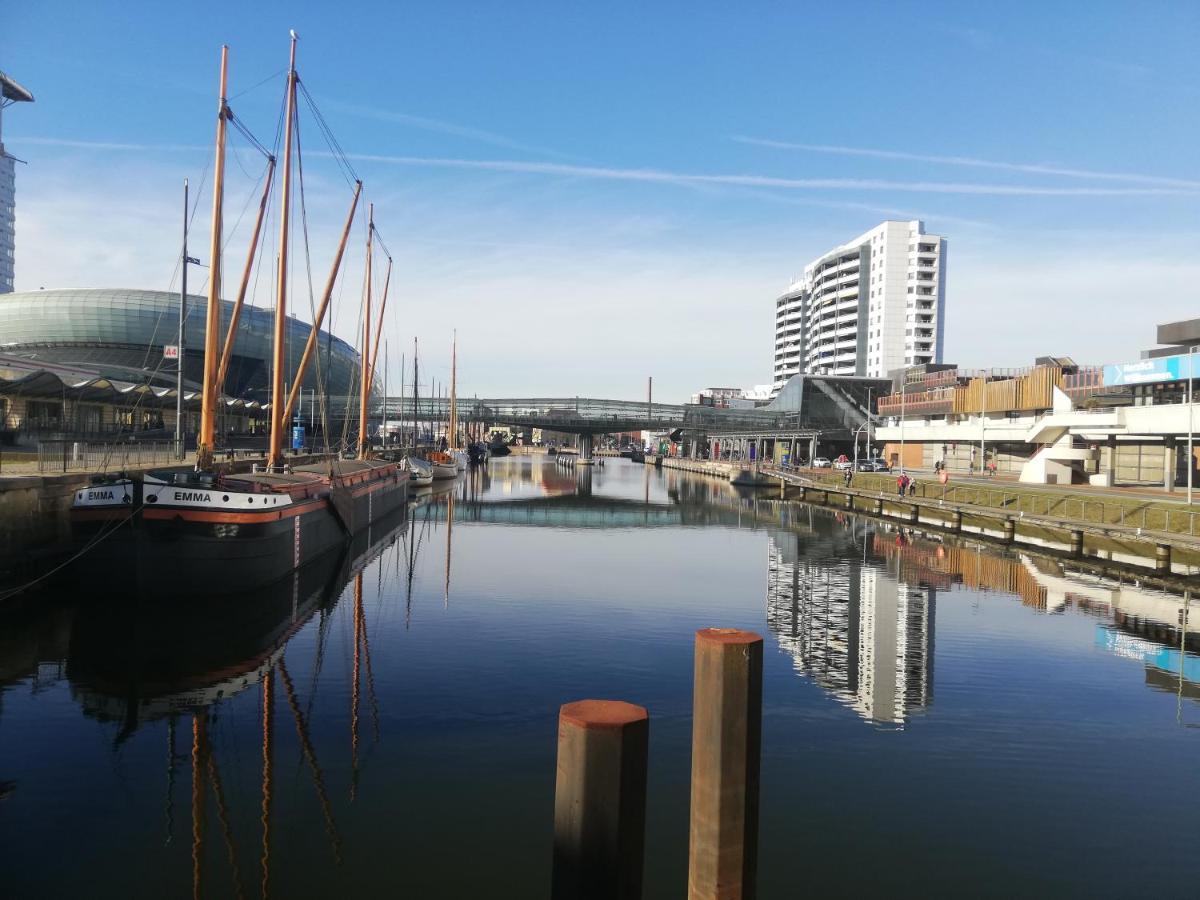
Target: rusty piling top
[[601, 713], [727, 636]]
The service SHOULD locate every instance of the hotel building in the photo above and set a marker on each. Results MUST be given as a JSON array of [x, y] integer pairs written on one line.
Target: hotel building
[[867, 307]]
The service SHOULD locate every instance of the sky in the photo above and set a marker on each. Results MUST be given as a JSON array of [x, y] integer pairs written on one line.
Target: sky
[[593, 194]]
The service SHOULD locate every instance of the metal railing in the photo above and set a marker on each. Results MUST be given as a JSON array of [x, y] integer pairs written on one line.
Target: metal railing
[[102, 456]]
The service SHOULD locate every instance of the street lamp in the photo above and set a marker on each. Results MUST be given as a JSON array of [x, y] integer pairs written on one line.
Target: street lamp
[[1191, 462], [903, 386]]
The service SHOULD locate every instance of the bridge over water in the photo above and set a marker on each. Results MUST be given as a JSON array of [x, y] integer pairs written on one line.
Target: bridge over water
[[809, 407]]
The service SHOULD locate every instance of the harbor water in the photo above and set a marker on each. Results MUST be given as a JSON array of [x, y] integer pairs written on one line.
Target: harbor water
[[940, 718]]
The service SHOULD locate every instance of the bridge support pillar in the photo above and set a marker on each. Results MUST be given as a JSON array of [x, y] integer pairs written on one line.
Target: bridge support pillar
[[812, 449], [586, 441]]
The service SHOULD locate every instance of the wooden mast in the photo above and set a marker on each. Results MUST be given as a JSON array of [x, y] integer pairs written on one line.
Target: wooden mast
[[387, 281], [212, 321], [454, 391], [311, 344], [364, 387], [275, 454], [231, 332]]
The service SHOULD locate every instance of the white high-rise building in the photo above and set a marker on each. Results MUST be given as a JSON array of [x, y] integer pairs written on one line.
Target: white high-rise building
[[10, 93], [868, 307]]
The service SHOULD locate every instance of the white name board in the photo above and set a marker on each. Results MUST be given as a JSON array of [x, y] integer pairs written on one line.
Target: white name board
[[171, 351]]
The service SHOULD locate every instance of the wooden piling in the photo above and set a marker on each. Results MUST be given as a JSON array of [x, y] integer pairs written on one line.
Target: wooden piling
[[879, 506], [600, 801], [956, 520], [914, 514], [1010, 530], [1162, 558], [1076, 543], [726, 750]]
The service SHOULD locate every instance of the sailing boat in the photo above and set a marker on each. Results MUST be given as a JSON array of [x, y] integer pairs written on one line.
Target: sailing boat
[[206, 529], [460, 456], [440, 465]]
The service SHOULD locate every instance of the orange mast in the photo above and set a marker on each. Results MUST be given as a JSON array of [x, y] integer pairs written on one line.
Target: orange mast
[[275, 454], [212, 322], [231, 333], [365, 378], [387, 282], [311, 344]]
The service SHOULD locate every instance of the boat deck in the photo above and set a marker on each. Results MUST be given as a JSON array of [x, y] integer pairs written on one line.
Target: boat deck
[[297, 484]]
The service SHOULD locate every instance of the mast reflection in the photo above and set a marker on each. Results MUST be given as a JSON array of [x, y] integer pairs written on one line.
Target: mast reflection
[[135, 664]]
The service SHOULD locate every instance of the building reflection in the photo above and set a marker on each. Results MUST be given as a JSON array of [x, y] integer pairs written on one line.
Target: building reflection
[[857, 630], [1158, 628]]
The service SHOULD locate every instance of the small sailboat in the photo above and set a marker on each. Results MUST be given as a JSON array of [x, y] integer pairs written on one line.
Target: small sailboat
[[420, 471], [461, 460]]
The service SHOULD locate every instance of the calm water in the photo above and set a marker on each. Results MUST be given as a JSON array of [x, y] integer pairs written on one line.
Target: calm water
[[938, 719]]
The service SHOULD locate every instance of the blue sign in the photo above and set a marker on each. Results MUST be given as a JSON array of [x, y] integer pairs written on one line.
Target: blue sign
[[1151, 653], [1146, 371], [298, 437]]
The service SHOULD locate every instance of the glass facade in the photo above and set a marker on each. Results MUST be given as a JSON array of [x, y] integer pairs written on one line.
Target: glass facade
[[120, 334]]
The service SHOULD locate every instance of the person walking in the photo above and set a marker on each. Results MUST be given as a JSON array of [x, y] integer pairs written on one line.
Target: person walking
[[901, 483], [912, 487]]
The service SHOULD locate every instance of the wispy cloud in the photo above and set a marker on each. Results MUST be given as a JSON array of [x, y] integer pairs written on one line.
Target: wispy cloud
[[974, 162], [109, 145], [662, 176], [1154, 186], [438, 126]]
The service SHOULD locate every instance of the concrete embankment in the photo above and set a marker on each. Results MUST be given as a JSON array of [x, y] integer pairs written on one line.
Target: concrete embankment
[[1086, 534]]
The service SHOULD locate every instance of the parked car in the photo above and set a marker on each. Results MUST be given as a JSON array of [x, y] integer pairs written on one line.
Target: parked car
[[821, 462], [878, 465], [843, 464]]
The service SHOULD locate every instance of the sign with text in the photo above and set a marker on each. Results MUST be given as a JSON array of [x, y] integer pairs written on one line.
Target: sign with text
[[171, 351], [1147, 371]]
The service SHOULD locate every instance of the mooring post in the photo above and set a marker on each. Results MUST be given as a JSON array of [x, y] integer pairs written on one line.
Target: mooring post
[[600, 801], [1162, 558], [726, 750], [782, 489], [956, 520], [879, 506], [1077, 543], [1010, 530], [914, 514]]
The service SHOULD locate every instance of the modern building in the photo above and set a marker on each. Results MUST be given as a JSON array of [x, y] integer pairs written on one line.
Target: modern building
[[91, 362], [1056, 422], [10, 93], [866, 307]]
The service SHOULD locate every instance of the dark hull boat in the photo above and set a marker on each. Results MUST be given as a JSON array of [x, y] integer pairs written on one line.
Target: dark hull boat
[[209, 532], [183, 533]]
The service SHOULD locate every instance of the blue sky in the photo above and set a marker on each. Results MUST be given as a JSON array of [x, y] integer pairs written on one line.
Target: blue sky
[[595, 194]]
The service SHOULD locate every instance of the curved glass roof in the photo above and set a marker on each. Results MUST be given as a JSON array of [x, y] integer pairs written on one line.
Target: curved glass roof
[[121, 333]]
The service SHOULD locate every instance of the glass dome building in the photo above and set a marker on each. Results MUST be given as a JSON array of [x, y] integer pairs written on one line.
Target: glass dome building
[[121, 334]]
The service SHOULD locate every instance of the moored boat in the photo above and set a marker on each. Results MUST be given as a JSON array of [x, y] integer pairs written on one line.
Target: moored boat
[[420, 471], [444, 465], [209, 529]]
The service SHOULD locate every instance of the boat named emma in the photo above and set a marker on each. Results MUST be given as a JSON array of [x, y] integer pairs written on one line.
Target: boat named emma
[[204, 529]]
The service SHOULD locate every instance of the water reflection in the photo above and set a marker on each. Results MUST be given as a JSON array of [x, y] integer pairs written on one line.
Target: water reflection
[[1150, 625], [136, 664], [863, 635], [326, 737]]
